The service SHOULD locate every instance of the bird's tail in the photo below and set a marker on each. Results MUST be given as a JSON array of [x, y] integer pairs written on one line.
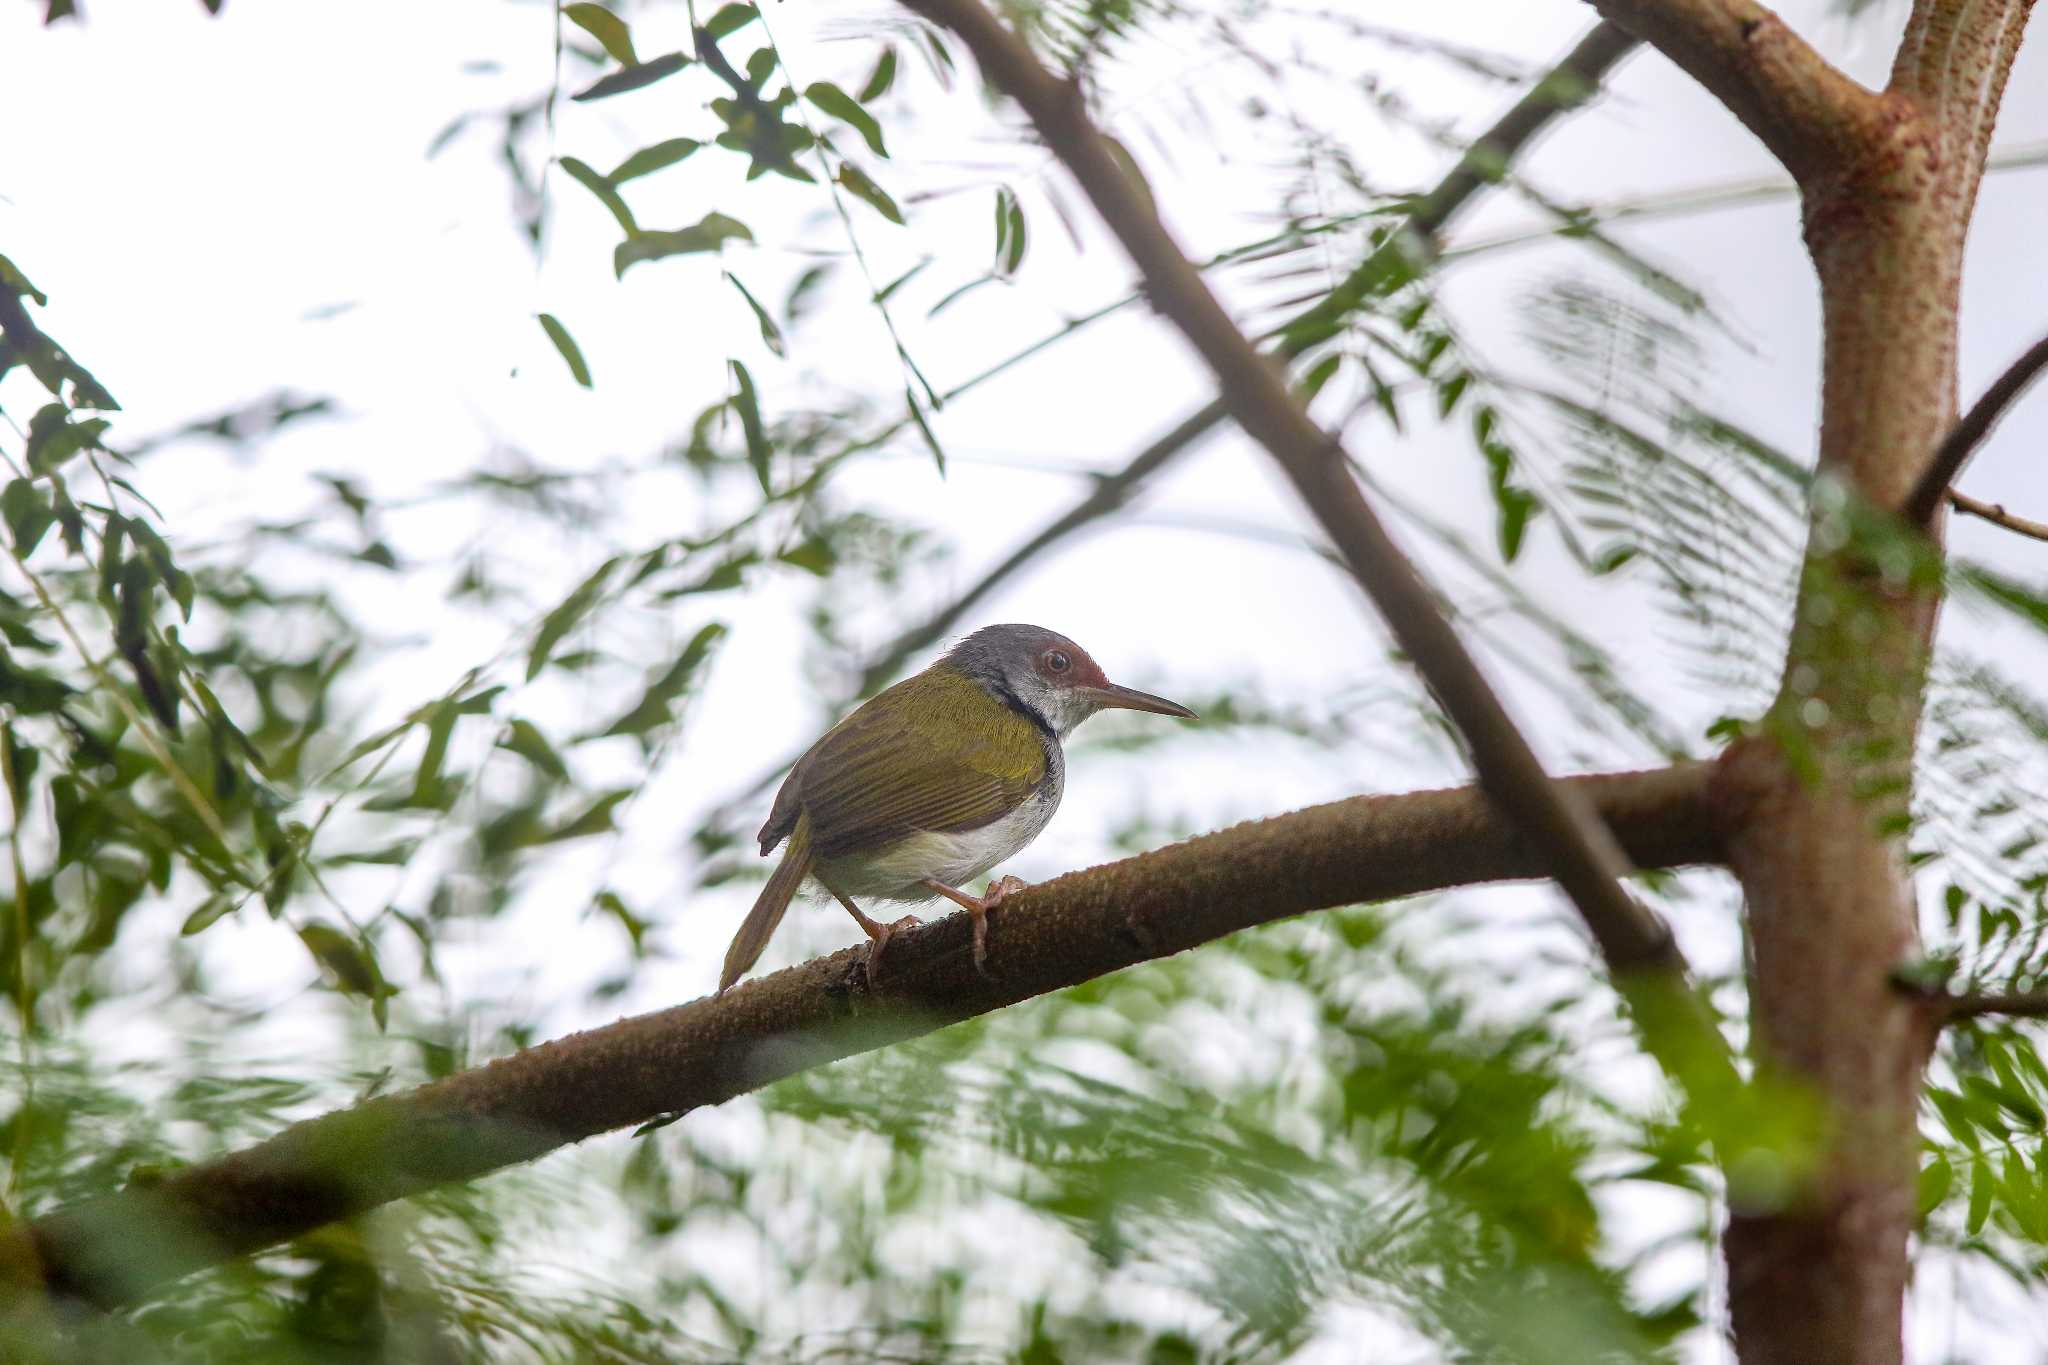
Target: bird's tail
[[767, 912]]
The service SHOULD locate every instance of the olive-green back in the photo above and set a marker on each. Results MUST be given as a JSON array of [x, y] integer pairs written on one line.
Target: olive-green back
[[934, 752]]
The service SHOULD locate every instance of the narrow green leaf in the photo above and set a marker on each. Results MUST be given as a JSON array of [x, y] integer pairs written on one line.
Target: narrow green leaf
[[1318, 375], [771, 335], [881, 78], [595, 819], [210, 910], [655, 707], [607, 194], [748, 405], [633, 77], [861, 187], [1010, 234], [572, 354], [844, 107], [525, 739], [711, 233], [924, 429], [559, 622], [1981, 1182], [608, 28], [650, 159], [351, 962]]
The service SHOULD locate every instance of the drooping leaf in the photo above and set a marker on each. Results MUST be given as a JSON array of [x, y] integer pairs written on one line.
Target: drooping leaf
[[656, 704], [54, 438], [633, 77], [710, 233], [771, 335], [924, 429], [868, 192], [609, 29], [881, 78], [748, 405], [844, 107], [524, 738], [587, 176], [572, 354], [1010, 233], [563, 619], [27, 515]]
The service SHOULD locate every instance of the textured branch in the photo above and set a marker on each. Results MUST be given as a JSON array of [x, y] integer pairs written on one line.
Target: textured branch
[[1966, 435], [1957, 1007], [1996, 514], [119, 1248], [1810, 115], [1588, 864]]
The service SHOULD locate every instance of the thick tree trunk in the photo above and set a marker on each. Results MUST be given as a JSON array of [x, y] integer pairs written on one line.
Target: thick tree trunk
[[1814, 803]]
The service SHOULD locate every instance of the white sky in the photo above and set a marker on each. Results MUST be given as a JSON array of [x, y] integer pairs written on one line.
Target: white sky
[[214, 185]]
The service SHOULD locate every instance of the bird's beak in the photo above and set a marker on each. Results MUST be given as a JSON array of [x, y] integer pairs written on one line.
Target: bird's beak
[[1110, 696]]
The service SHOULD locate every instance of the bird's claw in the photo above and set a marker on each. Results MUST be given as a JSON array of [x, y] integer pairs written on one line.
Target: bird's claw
[[997, 891], [881, 934]]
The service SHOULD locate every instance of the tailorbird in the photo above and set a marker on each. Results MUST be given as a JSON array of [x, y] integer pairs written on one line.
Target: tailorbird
[[932, 782]]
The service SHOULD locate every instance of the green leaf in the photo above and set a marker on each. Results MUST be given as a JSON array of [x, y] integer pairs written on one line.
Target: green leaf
[[771, 335], [572, 354], [710, 233], [730, 19], [1010, 235], [595, 819], [26, 514], [650, 159], [748, 405], [351, 962], [1318, 375], [53, 438], [861, 187], [1935, 1182], [525, 739], [844, 107], [559, 622], [1981, 1181], [210, 910], [881, 78], [586, 175], [925, 430], [654, 707], [633, 77], [608, 28]]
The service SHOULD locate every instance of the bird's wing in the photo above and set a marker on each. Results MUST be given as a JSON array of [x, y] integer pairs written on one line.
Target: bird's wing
[[946, 757]]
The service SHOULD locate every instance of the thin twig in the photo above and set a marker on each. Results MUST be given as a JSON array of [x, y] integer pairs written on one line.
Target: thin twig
[[121, 1247], [1675, 1023], [1997, 515], [1964, 438]]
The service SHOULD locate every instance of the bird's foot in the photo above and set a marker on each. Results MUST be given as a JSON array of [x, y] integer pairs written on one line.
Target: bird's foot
[[977, 908], [881, 934]]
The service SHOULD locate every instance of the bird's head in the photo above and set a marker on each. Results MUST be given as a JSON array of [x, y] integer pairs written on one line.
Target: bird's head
[[1049, 676]]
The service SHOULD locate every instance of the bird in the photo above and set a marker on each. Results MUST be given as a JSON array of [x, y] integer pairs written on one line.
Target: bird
[[931, 783]]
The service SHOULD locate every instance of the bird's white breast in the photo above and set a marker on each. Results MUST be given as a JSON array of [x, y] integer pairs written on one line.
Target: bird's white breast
[[955, 857]]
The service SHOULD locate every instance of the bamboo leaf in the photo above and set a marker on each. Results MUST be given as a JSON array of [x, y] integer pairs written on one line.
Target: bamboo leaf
[[572, 354]]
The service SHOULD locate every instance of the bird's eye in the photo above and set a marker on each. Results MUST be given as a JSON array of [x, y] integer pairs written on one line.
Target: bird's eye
[[1057, 661]]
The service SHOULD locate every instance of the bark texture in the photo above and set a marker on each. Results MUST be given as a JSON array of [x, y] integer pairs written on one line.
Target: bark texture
[[120, 1248], [1814, 802]]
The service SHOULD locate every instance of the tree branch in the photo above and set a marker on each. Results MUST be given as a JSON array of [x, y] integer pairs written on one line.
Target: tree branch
[[1806, 112], [1969, 433], [1997, 515], [1647, 966], [1957, 1007], [117, 1249]]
